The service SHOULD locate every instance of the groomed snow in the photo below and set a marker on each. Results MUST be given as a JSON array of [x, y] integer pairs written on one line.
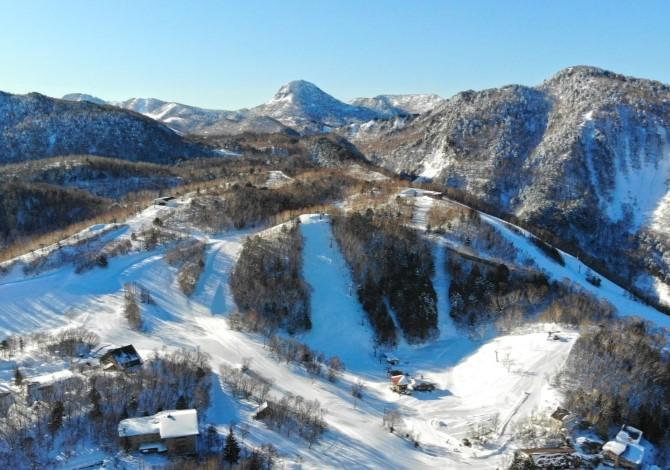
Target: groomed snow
[[472, 385]]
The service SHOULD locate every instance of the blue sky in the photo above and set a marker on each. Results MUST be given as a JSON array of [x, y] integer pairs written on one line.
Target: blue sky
[[232, 54]]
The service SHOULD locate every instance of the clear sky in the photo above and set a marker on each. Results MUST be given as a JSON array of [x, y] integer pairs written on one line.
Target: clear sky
[[232, 54]]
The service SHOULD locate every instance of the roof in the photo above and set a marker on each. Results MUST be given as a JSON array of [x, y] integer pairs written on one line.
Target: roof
[[626, 445], [179, 423], [547, 450], [634, 453], [48, 379], [399, 380], [125, 354], [615, 447], [167, 424], [629, 434], [5, 388]]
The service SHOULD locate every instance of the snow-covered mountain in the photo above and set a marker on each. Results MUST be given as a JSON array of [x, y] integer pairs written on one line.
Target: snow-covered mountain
[[304, 106], [585, 155], [34, 126], [191, 119], [298, 105], [398, 105]]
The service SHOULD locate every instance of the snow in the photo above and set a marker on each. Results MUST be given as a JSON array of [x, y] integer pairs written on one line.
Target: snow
[[178, 423], [48, 379], [168, 424], [228, 153], [336, 312], [472, 387], [616, 447], [575, 272], [641, 174], [277, 179]]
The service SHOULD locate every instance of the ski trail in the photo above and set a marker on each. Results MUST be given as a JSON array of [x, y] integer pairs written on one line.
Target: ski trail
[[336, 312]]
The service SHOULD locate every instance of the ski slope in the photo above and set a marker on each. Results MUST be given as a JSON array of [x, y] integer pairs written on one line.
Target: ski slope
[[473, 386]]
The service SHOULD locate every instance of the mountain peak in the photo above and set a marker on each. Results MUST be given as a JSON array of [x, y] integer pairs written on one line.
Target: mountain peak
[[297, 91], [83, 97]]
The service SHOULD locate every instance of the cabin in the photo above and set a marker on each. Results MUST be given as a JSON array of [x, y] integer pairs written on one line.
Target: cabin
[[49, 387], [400, 384], [550, 457], [263, 411], [172, 432], [121, 359], [625, 450]]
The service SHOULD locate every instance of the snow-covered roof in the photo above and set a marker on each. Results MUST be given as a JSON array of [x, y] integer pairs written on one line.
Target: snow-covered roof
[[48, 379], [399, 380], [5, 388], [179, 423], [634, 453], [615, 447], [629, 434], [125, 355], [167, 424]]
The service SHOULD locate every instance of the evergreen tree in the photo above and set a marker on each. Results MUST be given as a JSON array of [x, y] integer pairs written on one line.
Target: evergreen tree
[[96, 411], [231, 452], [56, 420], [18, 376], [182, 404]]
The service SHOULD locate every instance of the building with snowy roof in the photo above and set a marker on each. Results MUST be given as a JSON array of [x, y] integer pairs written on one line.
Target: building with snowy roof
[[123, 358], [626, 450], [50, 387], [400, 383], [172, 431]]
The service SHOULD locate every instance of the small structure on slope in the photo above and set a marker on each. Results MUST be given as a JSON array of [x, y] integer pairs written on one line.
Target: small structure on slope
[[400, 384], [123, 358], [263, 411], [49, 387], [172, 431], [625, 450]]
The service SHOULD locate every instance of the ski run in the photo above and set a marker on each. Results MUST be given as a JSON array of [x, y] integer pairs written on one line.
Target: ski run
[[496, 381]]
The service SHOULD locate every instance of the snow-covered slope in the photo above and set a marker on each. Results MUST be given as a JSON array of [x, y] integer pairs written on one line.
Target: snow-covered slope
[[473, 387], [398, 105], [585, 156]]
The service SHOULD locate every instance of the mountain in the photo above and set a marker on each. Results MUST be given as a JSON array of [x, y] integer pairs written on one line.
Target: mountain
[[34, 126], [305, 107], [398, 105], [297, 106], [585, 156], [84, 97], [187, 119]]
